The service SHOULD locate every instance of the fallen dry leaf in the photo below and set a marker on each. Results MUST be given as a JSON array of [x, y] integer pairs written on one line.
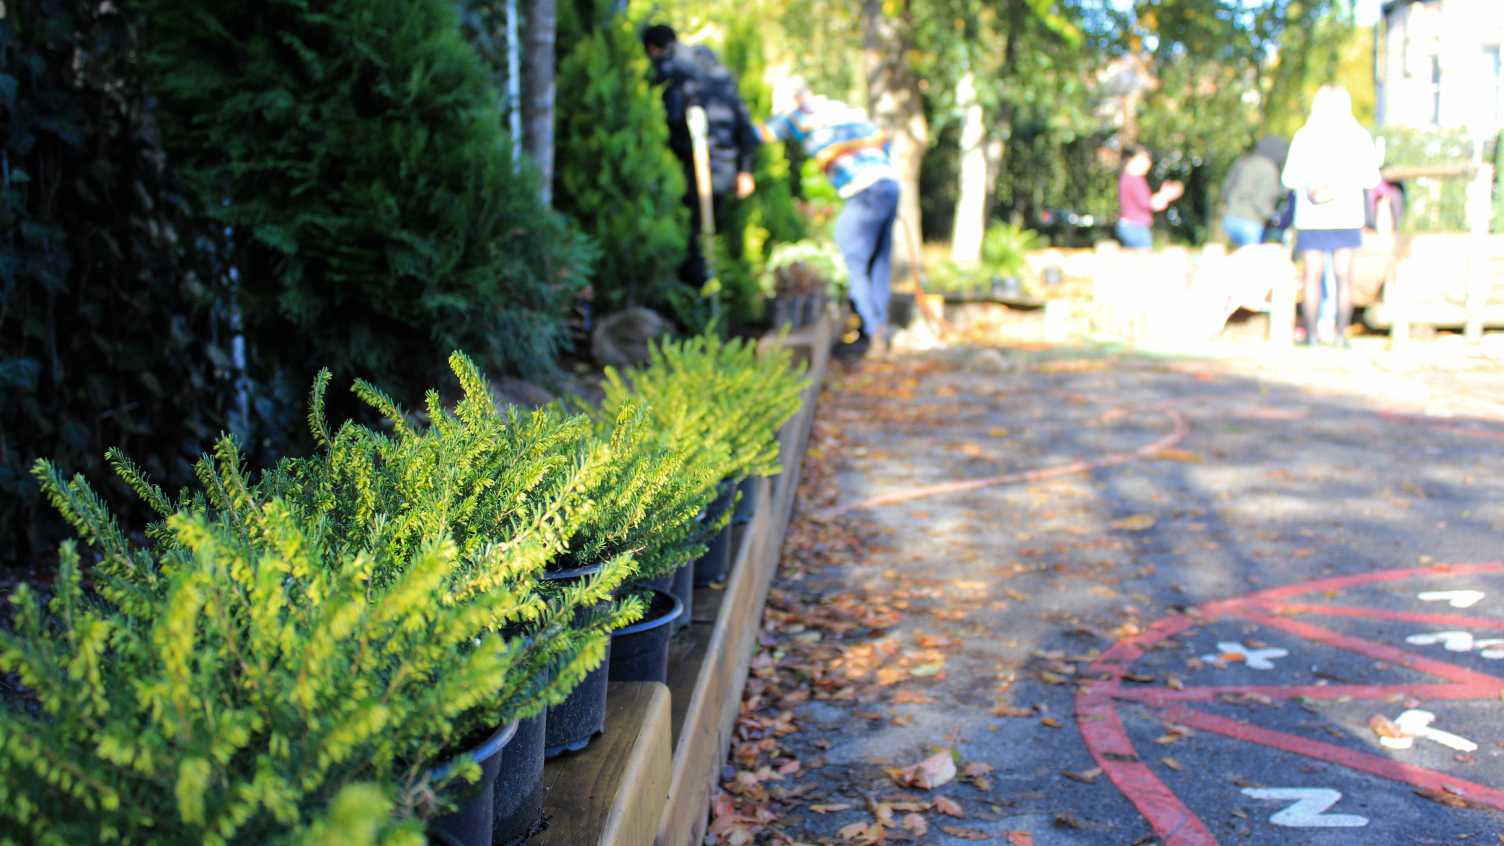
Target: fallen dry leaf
[[1171, 763], [1135, 523], [949, 807], [1385, 727], [965, 833], [915, 825], [831, 807], [1051, 722], [1085, 777], [1172, 454], [934, 771], [1066, 819], [862, 833], [1011, 711], [1020, 838]]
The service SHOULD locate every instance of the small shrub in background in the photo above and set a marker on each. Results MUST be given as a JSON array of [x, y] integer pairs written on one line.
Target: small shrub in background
[[802, 266], [615, 176]]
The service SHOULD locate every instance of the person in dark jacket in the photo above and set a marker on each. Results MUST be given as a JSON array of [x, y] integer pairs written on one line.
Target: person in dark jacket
[[693, 76], [1253, 190]]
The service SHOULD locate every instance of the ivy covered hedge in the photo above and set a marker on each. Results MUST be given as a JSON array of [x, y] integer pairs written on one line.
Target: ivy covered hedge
[[113, 322]]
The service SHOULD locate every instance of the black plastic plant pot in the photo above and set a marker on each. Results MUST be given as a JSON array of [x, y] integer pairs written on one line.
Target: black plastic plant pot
[[517, 799], [639, 652], [748, 502], [573, 723], [471, 822], [682, 587], [712, 567]]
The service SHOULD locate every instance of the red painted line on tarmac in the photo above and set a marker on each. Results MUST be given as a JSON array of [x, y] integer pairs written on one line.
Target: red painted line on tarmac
[[1453, 620], [1124, 652], [1107, 740], [1337, 583], [1338, 755], [1179, 429], [1161, 697], [1458, 425], [1377, 651]]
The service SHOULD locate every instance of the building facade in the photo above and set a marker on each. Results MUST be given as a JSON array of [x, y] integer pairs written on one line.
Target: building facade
[[1437, 65]]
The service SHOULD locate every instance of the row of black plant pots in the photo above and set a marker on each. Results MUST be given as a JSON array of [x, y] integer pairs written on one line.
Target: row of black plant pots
[[505, 807]]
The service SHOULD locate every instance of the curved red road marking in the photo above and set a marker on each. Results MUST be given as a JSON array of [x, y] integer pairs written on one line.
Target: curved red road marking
[[1179, 429], [1377, 651], [1453, 620], [1107, 740], [1340, 755], [1158, 697]]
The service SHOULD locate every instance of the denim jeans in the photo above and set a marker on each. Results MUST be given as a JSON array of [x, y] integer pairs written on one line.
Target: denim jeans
[[1134, 236], [864, 235], [1241, 231]]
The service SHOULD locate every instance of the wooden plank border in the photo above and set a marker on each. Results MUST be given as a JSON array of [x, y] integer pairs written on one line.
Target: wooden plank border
[[714, 677]]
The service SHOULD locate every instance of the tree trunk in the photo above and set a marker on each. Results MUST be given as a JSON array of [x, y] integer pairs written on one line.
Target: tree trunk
[[897, 106], [538, 94], [971, 199]]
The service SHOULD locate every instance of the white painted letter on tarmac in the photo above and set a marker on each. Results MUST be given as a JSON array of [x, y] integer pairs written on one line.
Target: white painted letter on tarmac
[[1454, 598], [1415, 723], [1309, 808], [1257, 659], [1453, 641]]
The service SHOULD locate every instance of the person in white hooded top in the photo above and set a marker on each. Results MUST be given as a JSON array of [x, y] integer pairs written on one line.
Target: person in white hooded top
[[1332, 161]]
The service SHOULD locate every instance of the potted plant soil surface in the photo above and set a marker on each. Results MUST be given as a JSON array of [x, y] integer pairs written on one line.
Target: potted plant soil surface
[[639, 652], [471, 823], [573, 723], [517, 799]]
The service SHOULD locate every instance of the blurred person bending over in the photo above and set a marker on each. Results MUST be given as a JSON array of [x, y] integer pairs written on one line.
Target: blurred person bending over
[[1332, 162], [854, 155], [693, 76], [1253, 190]]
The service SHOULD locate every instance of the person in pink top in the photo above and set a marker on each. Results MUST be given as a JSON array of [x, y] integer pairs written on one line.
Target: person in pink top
[[1136, 203]]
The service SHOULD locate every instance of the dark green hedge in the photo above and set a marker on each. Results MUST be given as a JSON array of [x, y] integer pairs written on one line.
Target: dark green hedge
[[110, 328], [355, 152]]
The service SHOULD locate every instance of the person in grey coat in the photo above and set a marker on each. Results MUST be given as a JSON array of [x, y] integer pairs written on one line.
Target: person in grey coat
[[1252, 191]]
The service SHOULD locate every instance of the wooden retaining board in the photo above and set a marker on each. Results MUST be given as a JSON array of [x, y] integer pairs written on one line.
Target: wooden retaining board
[[708, 663], [610, 793]]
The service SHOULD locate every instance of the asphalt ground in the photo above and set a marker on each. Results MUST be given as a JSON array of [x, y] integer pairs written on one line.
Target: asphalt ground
[[1138, 600]]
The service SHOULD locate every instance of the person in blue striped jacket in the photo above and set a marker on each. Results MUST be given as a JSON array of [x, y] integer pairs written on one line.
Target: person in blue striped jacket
[[853, 152]]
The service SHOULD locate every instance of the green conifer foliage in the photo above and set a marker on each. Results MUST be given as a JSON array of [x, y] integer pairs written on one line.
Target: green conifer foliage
[[614, 173], [354, 151], [286, 659], [717, 404]]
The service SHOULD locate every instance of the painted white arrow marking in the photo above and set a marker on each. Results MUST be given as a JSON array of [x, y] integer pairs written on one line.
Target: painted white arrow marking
[[1490, 647], [1415, 723], [1258, 659], [1454, 598], [1453, 641], [1308, 810]]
